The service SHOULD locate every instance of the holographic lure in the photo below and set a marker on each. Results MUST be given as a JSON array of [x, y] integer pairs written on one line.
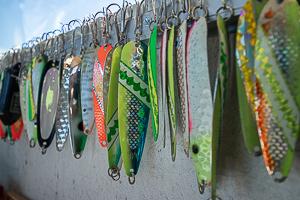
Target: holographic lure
[[62, 121], [182, 74], [98, 92], [31, 127], [278, 91], [151, 64], [34, 82], [200, 101], [165, 120], [246, 80], [47, 104], [77, 136], [106, 82], [133, 105], [170, 92], [22, 86], [111, 114], [87, 89]]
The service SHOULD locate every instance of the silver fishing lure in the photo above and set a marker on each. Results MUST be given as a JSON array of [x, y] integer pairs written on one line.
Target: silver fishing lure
[[62, 121]]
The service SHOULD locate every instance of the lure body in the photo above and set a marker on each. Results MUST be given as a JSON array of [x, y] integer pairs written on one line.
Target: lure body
[[181, 72], [246, 80], [62, 121], [10, 110], [276, 67], [151, 69], [111, 117], [133, 105], [16, 129], [22, 86], [199, 100], [88, 115], [77, 136], [165, 118], [34, 82], [106, 82], [3, 131], [171, 93], [31, 127], [47, 103], [98, 92]]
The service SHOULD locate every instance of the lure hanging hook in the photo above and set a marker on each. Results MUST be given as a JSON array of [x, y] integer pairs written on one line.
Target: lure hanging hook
[[183, 10], [172, 16], [107, 36], [137, 30], [32, 143], [154, 15], [132, 177], [201, 7], [82, 47], [225, 7]]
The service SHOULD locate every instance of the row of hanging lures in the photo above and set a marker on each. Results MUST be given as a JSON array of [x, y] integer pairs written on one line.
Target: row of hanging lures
[[266, 80]]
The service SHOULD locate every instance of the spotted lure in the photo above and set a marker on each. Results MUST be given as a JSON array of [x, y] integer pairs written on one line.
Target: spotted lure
[[98, 92], [200, 102], [278, 91], [133, 105]]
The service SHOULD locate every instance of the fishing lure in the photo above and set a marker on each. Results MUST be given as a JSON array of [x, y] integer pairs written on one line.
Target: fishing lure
[[246, 80], [276, 68], [16, 130], [77, 136], [87, 88], [62, 121], [182, 74], [3, 131], [133, 105], [47, 104], [200, 101], [111, 117], [170, 92], [98, 92], [34, 82], [31, 127], [22, 86], [165, 109], [151, 69], [10, 110]]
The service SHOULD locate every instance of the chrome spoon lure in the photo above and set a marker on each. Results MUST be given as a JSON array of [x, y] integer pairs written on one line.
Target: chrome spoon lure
[[77, 136]]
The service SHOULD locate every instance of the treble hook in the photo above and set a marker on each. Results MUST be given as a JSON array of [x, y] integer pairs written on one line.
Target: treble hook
[[154, 15], [82, 47], [173, 15], [107, 36], [137, 30]]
